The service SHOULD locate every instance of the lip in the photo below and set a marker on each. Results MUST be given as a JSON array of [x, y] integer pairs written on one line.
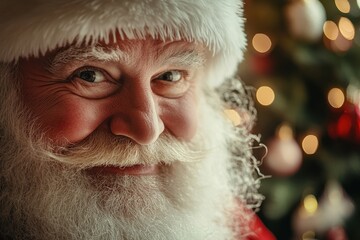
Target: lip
[[135, 170]]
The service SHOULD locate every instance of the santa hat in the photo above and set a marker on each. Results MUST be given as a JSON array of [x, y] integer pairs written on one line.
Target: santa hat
[[33, 27]]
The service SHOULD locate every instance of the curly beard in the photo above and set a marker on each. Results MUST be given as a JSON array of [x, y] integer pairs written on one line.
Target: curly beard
[[46, 192]]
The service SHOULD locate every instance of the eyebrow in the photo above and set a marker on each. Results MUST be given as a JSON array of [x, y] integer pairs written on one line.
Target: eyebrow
[[90, 53], [181, 57], [187, 58]]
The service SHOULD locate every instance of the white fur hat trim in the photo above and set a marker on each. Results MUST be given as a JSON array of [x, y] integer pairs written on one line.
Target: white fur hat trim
[[33, 27]]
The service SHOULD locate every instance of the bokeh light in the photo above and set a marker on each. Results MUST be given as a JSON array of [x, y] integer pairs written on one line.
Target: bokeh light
[[336, 97], [265, 95], [343, 5], [310, 144], [261, 43], [331, 30], [346, 28], [310, 204], [285, 131]]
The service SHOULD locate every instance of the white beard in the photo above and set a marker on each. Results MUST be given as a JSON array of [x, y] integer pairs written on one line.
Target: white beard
[[45, 194]]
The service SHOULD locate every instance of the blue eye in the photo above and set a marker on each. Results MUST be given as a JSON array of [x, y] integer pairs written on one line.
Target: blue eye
[[171, 76], [90, 75]]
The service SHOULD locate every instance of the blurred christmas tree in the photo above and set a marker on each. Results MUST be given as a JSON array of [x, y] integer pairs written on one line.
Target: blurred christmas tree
[[304, 60]]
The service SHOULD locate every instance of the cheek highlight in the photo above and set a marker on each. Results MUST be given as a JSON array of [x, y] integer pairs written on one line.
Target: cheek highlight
[[181, 117]]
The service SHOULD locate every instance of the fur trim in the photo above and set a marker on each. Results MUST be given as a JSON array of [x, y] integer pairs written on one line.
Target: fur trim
[[32, 27]]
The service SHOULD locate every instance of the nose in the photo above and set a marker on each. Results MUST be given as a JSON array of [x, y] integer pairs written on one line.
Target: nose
[[137, 115]]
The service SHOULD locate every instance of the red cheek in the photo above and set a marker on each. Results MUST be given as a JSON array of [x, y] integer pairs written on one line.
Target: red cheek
[[71, 122], [181, 119]]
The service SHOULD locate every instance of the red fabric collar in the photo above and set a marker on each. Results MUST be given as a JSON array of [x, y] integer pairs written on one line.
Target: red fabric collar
[[259, 231]]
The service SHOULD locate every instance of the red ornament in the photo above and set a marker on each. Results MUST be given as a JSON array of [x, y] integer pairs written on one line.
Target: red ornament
[[346, 123], [259, 231], [262, 64], [284, 157]]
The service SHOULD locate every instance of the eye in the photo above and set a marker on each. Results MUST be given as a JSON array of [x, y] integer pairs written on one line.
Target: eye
[[90, 75], [171, 84], [92, 82], [171, 76]]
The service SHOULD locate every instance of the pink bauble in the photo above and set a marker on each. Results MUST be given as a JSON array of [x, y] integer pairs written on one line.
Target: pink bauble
[[284, 157]]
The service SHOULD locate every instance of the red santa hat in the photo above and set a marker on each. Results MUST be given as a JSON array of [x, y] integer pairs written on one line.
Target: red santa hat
[[33, 27]]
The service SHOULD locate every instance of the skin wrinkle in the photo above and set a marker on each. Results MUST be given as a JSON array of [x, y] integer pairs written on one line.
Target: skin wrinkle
[[143, 76], [45, 84], [72, 56], [52, 102]]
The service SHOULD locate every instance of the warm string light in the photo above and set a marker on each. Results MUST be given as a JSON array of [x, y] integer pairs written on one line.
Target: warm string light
[[336, 97], [265, 95], [346, 28], [331, 30], [343, 5], [310, 204], [261, 43], [310, 144]]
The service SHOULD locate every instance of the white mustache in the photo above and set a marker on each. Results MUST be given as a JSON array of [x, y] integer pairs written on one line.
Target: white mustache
[[103, 149]]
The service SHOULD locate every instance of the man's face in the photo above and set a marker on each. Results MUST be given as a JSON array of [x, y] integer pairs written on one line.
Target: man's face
[[134, 89], [116, 145]]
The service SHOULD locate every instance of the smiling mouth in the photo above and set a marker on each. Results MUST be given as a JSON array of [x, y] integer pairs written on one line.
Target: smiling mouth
[[135, 170]]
